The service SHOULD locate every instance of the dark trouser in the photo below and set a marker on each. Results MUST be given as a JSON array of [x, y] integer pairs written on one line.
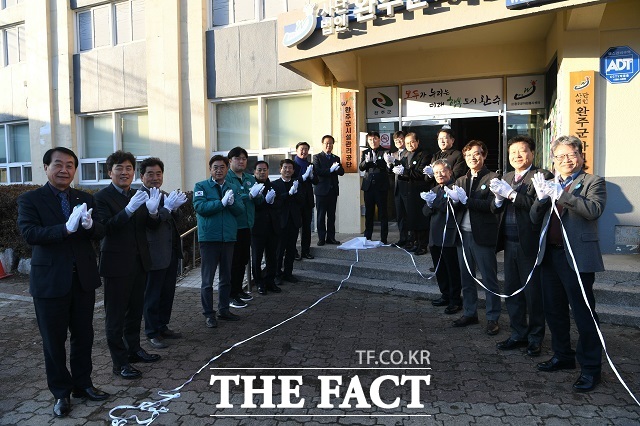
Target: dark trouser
[[517, 267], [448, 273], [213, 254], [484, 257], [158, 298], [373, 198], [560, 288], [241, 255], [73, 311], [326, 207], [266, 244], [305, 230], [287, 248], [401, 213], [123, 305]]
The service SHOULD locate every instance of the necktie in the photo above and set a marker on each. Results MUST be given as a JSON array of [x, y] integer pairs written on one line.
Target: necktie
[[64, 201], [517, 178]]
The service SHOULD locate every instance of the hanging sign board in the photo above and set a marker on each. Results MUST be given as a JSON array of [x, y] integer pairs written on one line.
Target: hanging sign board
[[449, 98], [525, 92], [348, 130], [581, 110], [382, 102]]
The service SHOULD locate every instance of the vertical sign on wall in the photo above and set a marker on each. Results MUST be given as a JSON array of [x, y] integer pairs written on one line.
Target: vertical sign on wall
[[582, 114], [348, 130]]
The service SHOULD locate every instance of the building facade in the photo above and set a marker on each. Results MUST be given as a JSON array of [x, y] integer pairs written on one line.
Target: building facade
[[182, 80]]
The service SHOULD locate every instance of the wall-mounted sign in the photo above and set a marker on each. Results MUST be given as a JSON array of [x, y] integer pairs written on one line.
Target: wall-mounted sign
[[619, 64], [452, 97], [348, 129], [526, 92], [521, 4], [581, 109], [302, 29], [382, 102]]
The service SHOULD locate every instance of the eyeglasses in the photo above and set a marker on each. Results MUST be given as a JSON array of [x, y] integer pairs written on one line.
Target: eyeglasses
[[562, 157], [473, 155]]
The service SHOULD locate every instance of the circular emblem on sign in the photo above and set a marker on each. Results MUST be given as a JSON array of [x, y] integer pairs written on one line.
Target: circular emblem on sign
[[385, 139]]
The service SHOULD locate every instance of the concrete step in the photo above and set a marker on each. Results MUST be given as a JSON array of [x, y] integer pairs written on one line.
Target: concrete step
[[390, 270]]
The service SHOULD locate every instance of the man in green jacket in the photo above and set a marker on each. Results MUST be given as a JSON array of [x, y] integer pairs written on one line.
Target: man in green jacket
[[217, 210], [250, 192]]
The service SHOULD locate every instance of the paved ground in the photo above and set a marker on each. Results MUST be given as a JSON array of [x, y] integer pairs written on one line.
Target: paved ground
[[470, 381]]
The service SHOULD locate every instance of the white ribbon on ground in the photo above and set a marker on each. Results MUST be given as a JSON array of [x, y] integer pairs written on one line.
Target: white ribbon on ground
[[156, 408]]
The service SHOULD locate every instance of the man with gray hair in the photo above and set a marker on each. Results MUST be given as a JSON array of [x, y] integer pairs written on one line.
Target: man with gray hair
[[580, 200]]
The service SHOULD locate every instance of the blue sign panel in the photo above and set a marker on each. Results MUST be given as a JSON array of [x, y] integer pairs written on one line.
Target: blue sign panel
[[521, 4], [619, 64]]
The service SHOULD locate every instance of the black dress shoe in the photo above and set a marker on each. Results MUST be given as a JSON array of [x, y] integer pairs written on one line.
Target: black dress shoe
[[509, 344], [127, 372], [290, 278], [440, 302], [452, 309], [262, 289], [333, 241], [464, 321], [274, 288], [400, 243], [308, 256], [534, 349], [321, 242], [383, 242], [432, 269], [157, 342], [143, 356], [298, 257], [62, 407], [228, 316], [555, 364], [421, 251], [92, 393], [586, 382], [492, 328], [409, 247]]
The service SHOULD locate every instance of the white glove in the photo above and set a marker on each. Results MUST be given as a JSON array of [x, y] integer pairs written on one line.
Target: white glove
[[500, 188], [86, 219], [256, 189], [174, 200], [554, 189], [452, 193], [540, 186], [389, 158], [154, 200], [367, 157], [308, 172], [462, 196], [270, 197], [228, 199], [399, 169], [334, 167], [428, 171], [75, 217], [138, 199], [428, 197], [294, 188]]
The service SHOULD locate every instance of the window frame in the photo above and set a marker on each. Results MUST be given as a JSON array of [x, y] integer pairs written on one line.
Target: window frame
[[116, 145], [258, 16], [21, 54], [262, 152], [8, 165]]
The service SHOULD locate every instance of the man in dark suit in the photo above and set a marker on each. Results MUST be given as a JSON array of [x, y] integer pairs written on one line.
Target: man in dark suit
[[303, 171], [443, 245], [265, 234], [327, 167], [375, 186], [166, 248], [393, 159], [125, 261], [289, 198], [452, 156], [514, 196], [411, 183], [57, 222], [479, 237], [580, 199]]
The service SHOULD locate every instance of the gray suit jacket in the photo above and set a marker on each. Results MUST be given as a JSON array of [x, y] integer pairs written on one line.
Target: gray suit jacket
[[582, 206]]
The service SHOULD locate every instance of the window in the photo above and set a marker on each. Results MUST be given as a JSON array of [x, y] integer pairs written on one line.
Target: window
[[226, 12], [268, 127], [15, 153], [111, 24], [13, 45], [9, 3], [102, 134]]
